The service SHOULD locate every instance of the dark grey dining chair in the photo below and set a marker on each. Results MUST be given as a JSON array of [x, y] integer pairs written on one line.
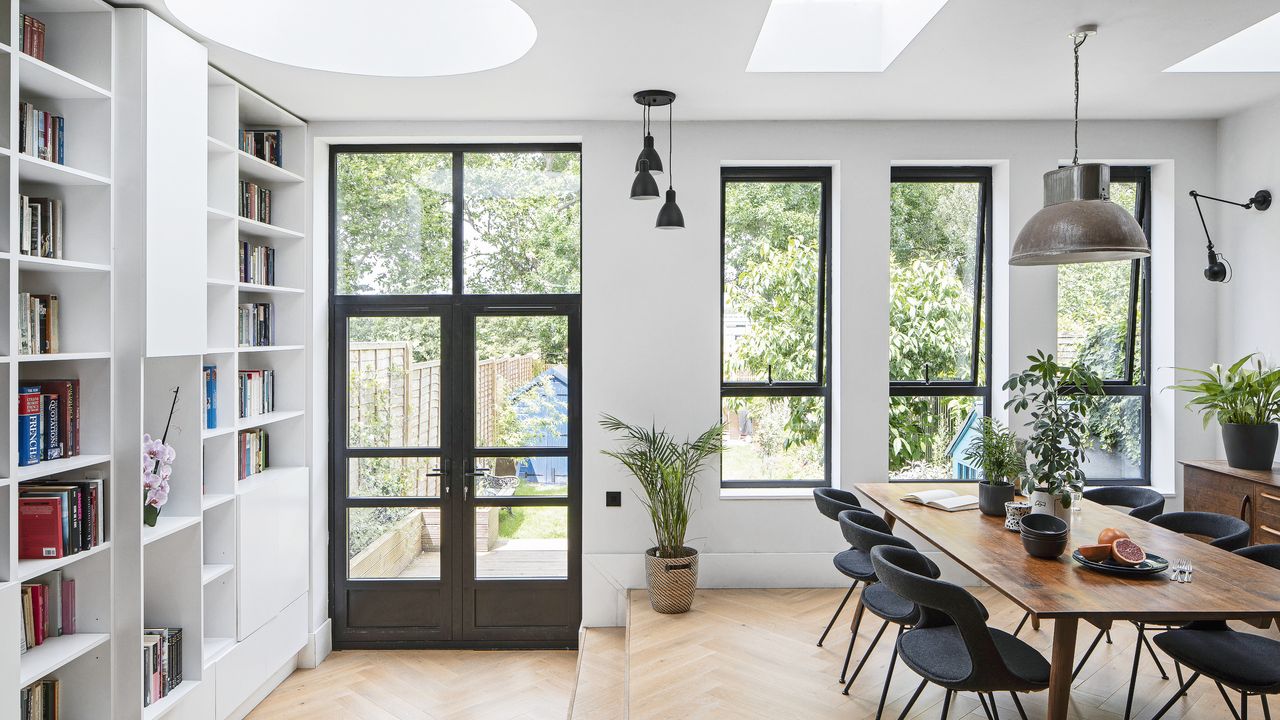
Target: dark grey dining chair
[[1242, 661], [1142, 502], [951, 644], [831, 502], [866, 531]]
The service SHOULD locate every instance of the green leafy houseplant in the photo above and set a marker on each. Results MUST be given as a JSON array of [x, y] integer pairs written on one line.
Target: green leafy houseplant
[[1059, 397], [668, 471], [1245, 400], [997, 452]]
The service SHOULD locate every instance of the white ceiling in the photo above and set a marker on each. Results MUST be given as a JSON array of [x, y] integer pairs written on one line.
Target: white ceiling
[[977, 59]]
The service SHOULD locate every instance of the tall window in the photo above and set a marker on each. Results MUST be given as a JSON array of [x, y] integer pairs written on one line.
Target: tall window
[[1103, 319], [939, 317], [775, 359]]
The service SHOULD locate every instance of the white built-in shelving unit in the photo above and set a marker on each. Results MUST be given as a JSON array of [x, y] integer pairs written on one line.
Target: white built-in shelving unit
[[149, 289], [73, 80]]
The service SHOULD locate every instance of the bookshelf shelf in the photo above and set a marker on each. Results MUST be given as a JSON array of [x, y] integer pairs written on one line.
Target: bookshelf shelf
[[53, 467], [216, 647], [279, 289], [29, 569], [166, 526], [266, 419], [33, 169], [257, 169], [270, 348], [57, 265], [213, 572], [220, 281], [216, 214], [40, 79], [56, 652], [57, 357], [261, 229], [213, 500], [161, 707], [217, 432], [218, 146]]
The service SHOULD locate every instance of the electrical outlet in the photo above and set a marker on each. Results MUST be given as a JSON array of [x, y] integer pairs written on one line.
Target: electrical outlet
[[613, 498]]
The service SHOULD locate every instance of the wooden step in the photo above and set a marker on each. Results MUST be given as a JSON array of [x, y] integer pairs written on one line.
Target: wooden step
[[598, 693]]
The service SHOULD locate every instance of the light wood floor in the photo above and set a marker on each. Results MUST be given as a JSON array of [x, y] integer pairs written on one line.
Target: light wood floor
[[738, 654]]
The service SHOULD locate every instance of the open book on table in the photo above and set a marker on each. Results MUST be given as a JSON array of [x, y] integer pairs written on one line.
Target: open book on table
[[943, 500]]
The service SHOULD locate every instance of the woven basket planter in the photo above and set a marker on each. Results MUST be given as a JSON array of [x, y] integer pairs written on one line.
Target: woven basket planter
[[671, 580]]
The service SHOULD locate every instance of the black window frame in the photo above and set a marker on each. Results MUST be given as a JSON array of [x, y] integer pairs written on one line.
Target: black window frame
[[1137, 380], [820, 386], [982, 305]]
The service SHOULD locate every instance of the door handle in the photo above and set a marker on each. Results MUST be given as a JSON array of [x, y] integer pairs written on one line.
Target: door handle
[[478, 472]]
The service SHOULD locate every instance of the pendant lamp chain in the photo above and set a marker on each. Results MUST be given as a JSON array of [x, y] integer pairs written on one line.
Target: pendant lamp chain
[[671, 138], [1080, 37]]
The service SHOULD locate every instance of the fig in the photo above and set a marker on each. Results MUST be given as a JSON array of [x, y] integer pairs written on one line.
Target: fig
[[1127, 552]]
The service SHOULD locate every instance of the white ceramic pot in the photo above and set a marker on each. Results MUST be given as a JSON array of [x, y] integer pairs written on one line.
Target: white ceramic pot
[[1044, 503]]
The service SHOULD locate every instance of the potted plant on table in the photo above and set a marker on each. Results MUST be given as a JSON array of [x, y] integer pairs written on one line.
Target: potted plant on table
[[1059, 397], [1245, 400], [1000, 456], [668, 471]]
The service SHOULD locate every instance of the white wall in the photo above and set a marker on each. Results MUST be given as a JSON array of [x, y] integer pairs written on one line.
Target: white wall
[[651, 334]]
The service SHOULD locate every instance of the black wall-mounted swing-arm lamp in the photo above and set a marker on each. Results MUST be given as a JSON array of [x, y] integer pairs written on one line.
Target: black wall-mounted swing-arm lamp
[[1218, 269]]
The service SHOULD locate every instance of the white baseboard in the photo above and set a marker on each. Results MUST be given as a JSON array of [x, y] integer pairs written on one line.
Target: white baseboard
[[606, 578], [262, 692], [319, 645]]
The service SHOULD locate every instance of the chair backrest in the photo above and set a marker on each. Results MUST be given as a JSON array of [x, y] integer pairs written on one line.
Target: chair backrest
[[943, 604], [865, 530], [1143, 503], [1265, 554], [833, 501], [1223, 531]]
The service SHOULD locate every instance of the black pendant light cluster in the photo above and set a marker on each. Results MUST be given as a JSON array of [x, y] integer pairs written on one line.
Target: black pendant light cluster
[[1079, 223], [644, 186]]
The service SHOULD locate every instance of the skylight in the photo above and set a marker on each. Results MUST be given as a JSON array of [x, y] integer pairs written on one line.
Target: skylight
[[1254, 49], [394, 38], [838, 35]]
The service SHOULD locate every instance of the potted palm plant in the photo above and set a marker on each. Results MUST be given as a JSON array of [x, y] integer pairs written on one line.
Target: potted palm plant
[[1059, 397], [1245, 400], [1000, 456], [668, 472]]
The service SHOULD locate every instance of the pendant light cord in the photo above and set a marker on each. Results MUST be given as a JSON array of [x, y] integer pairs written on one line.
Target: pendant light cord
[[1079, 40], [671, 138]]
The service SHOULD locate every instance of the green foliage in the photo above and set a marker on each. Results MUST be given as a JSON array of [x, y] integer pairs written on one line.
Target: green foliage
[[668, 472], [1059, 398], [930, 316], [1241, 394], [997, 452]]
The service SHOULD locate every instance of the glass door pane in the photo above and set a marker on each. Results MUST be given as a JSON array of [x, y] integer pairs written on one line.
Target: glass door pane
[[522, 381], [521, 542], [393, 381]]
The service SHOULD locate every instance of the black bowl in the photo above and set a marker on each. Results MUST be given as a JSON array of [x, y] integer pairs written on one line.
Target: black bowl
[[1050, 549], [1044, 526]]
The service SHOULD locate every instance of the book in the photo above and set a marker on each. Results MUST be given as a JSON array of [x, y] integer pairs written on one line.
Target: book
[[257, 392], [161, 662], [256, 325], [82, 509], [262, 144], [257, 264], [254, 452], [51, 424], [38, 324], [40, 133], [942, 500], [29, 407], [41, 700], [255, 202], [41, 222], [210, 396], [31, 40]]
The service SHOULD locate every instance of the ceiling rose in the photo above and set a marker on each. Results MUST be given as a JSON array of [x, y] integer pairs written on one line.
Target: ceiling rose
[[393, 38]]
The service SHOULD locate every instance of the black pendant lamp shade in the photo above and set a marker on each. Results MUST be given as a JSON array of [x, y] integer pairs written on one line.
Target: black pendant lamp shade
[[670, 217], [1079, 223], [644, 187], [649, 155]]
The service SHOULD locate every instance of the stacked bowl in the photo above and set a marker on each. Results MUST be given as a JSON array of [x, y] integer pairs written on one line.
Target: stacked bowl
[[1045, 536]]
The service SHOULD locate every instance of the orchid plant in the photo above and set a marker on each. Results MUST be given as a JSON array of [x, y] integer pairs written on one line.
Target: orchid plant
[[157, 467]]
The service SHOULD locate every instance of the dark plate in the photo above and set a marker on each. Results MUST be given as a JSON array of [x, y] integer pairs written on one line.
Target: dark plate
[[1154, 564]]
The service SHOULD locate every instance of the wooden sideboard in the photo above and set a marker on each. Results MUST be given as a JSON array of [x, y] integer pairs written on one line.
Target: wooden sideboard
[[1251, 495]]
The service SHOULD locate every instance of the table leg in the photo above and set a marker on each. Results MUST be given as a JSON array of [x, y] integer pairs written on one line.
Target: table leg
[[1060, 665], [889, 519]]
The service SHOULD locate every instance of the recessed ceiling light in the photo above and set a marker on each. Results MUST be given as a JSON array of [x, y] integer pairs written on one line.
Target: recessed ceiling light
[[1254, 49], [838, 35], [395, 38]]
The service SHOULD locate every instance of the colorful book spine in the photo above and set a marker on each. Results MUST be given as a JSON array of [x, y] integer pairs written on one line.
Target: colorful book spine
[[29, 407], [210, 396]]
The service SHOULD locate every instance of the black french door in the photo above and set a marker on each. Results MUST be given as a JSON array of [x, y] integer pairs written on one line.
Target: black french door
[[456, 418]]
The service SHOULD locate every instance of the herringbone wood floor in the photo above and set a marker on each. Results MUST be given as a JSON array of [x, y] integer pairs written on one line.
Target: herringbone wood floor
[[737, 654]]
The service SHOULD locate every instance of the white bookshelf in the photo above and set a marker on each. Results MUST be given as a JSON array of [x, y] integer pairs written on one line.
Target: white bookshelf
[[75, 81]]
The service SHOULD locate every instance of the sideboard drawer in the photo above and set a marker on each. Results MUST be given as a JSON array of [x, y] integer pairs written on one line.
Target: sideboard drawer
[[1213, 492]]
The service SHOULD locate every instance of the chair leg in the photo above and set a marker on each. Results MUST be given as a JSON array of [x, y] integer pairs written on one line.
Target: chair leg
[[1142, 635], [1133, 676], [853, 635], [1108, 631], [884, 693], [1177, 668], [995, 711], [1018, 703], [914, 696], [1087, 653], [1025, 618], [946, 704], [1244, 705], [985, 710], [866, 655], [1181, 691], [1227, 699], [1266, 709], [838, 611]]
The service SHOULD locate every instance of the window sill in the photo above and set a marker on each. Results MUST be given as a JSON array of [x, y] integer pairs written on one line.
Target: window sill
[[805, 493]]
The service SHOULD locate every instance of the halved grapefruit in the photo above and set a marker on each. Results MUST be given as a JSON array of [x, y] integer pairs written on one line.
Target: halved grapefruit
[[1127, 552], [1096, 553]]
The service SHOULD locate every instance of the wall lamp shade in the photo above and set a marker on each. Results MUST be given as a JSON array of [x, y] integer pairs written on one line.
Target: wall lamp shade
[[1079, 223], [650, 155], [644, 187], [670, 217]]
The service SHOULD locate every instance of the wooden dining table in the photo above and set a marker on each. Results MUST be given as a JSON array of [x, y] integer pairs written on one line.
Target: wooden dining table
[[1224, 585]]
